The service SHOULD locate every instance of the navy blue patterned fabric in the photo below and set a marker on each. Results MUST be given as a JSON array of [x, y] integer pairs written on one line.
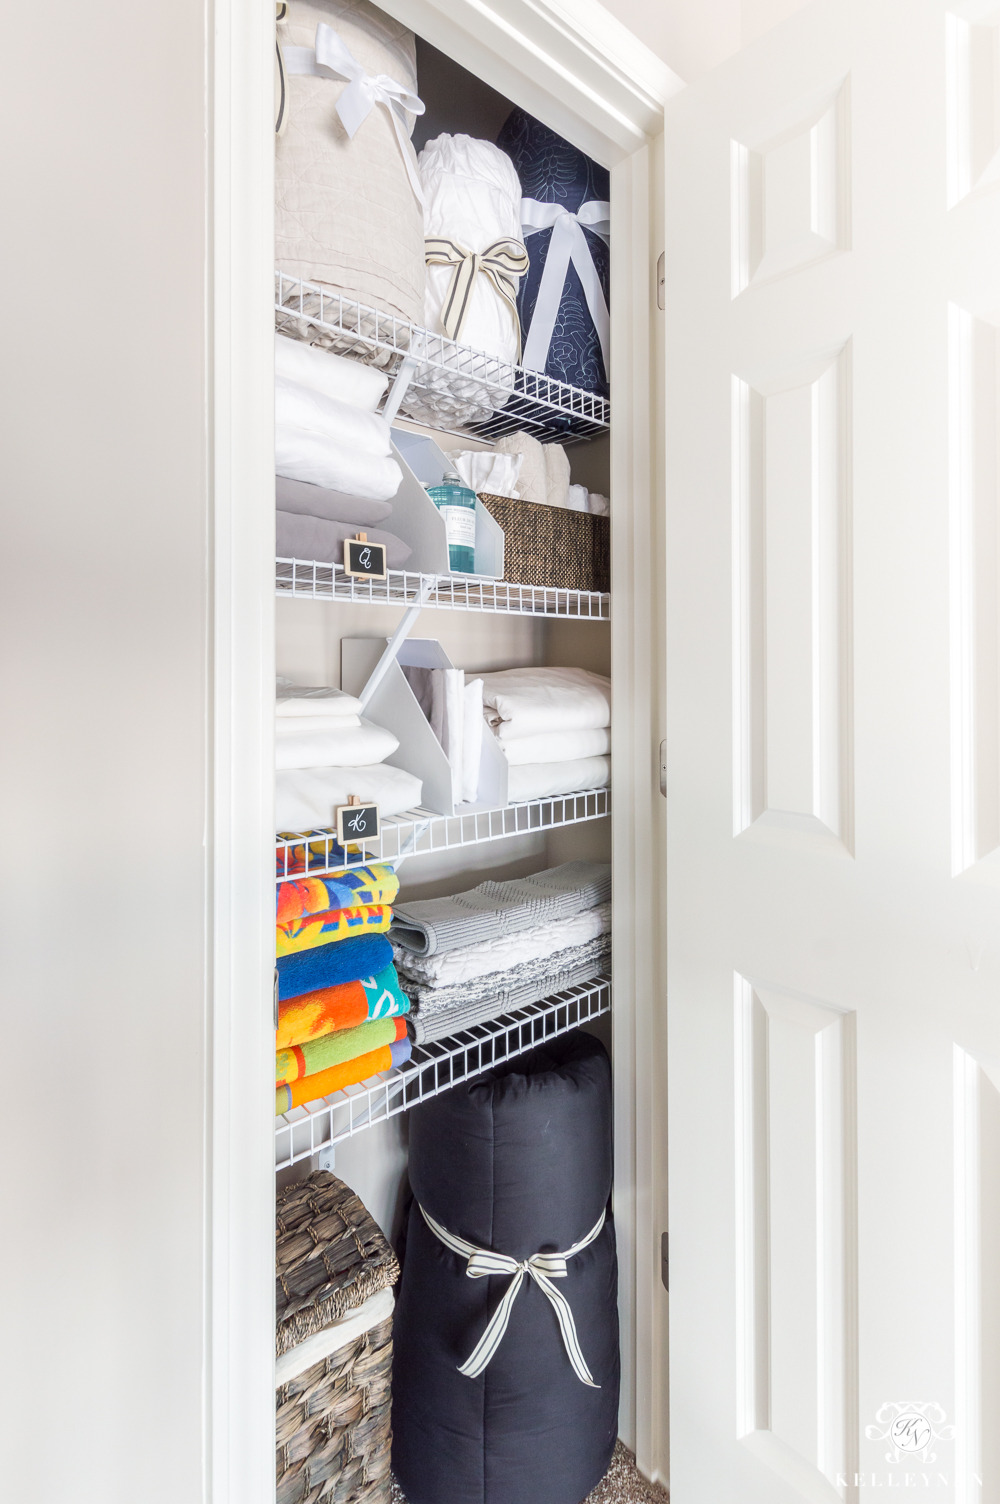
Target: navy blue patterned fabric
[[554, 172]]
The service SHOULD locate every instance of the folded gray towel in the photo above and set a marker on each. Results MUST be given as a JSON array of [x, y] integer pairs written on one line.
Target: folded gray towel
[[494, 909], [333, 506], [440, 1011], [301, 537]]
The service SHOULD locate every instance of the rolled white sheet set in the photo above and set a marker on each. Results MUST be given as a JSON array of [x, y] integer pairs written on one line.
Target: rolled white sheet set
[[554, 725], [333, 461], [521, 467], [325, 751]]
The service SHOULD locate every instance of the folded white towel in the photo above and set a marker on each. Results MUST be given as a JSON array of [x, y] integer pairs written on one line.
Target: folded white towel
[[546, 780], [528, 701], [445, 968], [358, 746], [298, 406], [305, 798], [577, 499], [302, 455], [556, 475], [332, 506], [313, 699], [557, 746], [334, 375], [286, 726], [532, 483], [598, 504], [484, 470]]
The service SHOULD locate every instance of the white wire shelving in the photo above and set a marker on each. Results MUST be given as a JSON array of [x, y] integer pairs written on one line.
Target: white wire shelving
[[418, 832], [436, 381], [434, 1068], [307, 579]]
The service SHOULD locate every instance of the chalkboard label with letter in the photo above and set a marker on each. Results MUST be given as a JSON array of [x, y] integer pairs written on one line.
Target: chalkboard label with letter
[[357, 821], [364, 560]]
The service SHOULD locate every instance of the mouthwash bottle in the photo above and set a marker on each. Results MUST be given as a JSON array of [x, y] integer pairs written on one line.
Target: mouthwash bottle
[[457, 505]]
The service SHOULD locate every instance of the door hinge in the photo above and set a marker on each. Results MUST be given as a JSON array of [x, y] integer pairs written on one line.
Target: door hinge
[[663, 768], [661, 281], [665, 1259]]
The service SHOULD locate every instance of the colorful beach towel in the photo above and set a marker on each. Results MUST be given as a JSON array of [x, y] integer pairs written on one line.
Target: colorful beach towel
[[336, 890], [331, 965], [311, 1088], [333, 925], [318, 1013], [335, 1049]]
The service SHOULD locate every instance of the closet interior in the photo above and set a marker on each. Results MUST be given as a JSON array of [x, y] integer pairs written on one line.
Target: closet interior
[[442, 461]]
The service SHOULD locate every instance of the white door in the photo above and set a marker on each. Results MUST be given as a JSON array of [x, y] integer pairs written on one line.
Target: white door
[[833, 584]]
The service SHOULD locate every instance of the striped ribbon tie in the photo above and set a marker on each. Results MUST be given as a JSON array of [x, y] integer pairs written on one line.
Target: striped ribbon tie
[[503, 262], [543, 1268]]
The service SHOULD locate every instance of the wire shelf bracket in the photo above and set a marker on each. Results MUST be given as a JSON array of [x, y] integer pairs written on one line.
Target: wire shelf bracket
[[434, 1068]]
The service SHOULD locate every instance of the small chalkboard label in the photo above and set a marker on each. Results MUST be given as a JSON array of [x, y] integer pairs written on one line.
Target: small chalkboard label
[[364, 560], [356, 821]]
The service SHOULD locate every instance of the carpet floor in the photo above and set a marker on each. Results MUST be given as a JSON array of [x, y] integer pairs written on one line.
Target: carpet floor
[[621, 1484]]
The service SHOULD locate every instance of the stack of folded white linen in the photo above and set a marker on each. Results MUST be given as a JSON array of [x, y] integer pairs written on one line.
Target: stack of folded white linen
[[542, 476], [453, 705], [325, 751], [554, 725], [332, 455], [486, 952]]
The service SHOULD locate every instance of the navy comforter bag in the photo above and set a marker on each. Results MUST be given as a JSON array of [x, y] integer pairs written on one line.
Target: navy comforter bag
[[554, 172], [519, 1162]]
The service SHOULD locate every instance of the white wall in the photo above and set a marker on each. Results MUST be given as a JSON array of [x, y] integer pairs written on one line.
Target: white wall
[[103, 753]]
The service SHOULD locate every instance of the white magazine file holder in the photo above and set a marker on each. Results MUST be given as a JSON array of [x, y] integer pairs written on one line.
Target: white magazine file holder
[[394, 706], [417, 521]]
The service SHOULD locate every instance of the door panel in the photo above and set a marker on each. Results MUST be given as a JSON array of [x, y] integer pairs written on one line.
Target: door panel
[[833, 597]]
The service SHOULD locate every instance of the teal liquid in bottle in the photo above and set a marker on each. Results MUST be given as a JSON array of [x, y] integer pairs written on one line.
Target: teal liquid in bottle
[[457, 505]]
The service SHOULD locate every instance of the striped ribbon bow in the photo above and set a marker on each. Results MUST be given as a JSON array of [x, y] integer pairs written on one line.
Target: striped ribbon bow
[[502, 262], [543, 1268]]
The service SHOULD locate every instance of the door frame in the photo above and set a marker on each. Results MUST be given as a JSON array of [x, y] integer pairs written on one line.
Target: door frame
[[572, 64]]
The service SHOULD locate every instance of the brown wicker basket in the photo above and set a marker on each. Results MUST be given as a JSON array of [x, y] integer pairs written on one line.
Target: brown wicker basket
[[334, 1426], [334, 1418], [551, 546], [331, 1256]]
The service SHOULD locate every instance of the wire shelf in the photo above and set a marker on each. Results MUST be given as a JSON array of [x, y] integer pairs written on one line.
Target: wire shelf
[[312, 852], [325, 582], [434, 1068], [449, 386]]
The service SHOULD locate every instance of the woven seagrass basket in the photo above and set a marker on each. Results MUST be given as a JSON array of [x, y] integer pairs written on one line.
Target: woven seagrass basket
[[551, 546], [334, 1419]]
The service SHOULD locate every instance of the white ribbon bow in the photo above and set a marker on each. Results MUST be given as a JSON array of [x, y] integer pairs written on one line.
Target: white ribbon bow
[[543, 1268], [568, 244], [502, 262], [332, 59]]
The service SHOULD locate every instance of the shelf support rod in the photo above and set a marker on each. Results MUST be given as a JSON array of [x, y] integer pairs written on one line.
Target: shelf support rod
[[402, 632]]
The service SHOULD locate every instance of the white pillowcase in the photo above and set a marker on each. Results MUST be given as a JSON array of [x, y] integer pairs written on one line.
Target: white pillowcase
[[334, 375], [557, 746], [302, 455], [527, 701], [546, 780], [305, 798], [299, 407], [358, 746]]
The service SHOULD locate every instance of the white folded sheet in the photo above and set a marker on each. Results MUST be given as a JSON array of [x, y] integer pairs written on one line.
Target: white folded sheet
[[358, 746], [302, 455], [300, 407], [472, 741], [331, 506], [545, 780], [445, 968], [313, 699], [557, 746], [305, 798], [308, 725], [334, 375], [528, 701]]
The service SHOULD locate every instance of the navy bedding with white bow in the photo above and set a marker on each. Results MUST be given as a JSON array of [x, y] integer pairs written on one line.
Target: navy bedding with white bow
[[565, 221]]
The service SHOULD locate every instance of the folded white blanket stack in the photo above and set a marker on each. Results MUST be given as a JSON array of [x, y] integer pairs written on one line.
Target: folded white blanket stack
[[329, 440], [325, 751], [554, 727]]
